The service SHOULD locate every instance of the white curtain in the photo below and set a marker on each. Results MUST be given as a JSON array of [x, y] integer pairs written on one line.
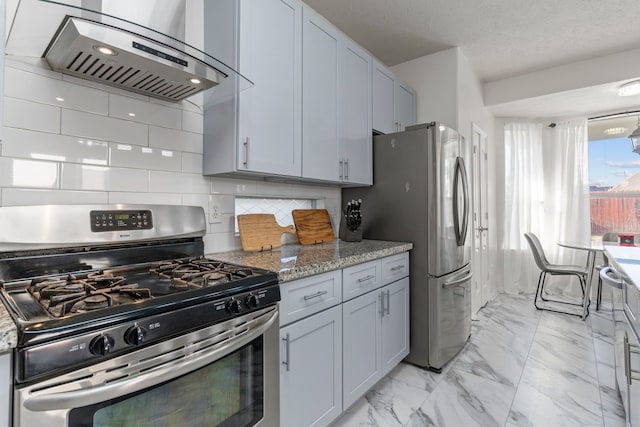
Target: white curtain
[[547, 193]]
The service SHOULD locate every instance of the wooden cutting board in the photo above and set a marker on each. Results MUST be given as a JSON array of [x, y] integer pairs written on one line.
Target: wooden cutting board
[[261, 232], [313, 226]]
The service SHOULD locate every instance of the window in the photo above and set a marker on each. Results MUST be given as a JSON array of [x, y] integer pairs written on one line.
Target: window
[[614, 184]]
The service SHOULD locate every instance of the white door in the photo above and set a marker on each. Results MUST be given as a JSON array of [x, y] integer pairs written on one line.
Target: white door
[[361, 346], [270, 116], [311, 370], [480, 282], [355, 114], [405, 106], [383, 99], [395, 324], [321, 43]]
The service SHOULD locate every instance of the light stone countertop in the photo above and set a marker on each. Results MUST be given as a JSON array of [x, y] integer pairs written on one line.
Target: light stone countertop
[[627, 259], [8, 330], [293, 262]]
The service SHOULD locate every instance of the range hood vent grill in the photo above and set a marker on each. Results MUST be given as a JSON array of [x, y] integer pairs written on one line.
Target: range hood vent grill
[[138, 65], [134, 46]]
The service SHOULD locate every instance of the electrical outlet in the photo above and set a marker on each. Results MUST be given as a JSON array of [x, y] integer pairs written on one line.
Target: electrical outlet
[[215, 208]]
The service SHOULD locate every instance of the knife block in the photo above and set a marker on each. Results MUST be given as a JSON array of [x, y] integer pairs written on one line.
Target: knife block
[[347, 235]]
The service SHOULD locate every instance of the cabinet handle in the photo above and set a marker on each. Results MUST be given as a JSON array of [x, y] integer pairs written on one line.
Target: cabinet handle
[[397, 125], [346, 169], [286, 351], [397, 267], [628, 349], [341, 169], [245, 162], [388, 302], [365, 278], [316, 295], [381, 300]]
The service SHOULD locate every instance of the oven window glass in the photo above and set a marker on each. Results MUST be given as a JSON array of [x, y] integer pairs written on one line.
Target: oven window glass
[[227, 392]]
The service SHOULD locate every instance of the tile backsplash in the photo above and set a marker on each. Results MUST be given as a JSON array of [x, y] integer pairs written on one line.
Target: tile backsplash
[[70, 141]]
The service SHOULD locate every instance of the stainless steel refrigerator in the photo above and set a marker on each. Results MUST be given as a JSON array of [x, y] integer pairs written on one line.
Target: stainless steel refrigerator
[[421, 195]]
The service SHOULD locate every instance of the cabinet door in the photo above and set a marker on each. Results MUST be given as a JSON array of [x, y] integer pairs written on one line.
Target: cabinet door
[[311, 370], [405, 105], [355, 114], [321, 43], [633, 377], [269, 129], [383, 99], [362, 345], [395, 324]]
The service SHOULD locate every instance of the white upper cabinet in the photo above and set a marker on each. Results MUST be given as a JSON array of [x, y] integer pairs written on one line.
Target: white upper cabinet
[[258, 130], [394, 102], [355, 114], [321, 45]]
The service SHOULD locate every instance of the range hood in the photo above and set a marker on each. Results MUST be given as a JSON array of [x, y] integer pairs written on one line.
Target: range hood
[[81, 39]]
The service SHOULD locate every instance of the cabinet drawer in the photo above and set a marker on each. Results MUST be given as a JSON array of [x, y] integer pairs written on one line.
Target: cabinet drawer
[[395, 267], [360, 279], [302, 298]]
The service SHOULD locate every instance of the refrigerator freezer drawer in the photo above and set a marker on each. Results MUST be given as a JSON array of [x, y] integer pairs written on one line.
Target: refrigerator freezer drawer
[[449, 316]]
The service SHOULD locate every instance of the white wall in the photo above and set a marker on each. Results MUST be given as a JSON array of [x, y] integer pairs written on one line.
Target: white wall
[[434, 78], [87, 149]]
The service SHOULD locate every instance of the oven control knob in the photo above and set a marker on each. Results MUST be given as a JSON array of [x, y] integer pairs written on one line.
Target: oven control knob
[[252, 301], [135, 335], [234, 306], [101, 345]]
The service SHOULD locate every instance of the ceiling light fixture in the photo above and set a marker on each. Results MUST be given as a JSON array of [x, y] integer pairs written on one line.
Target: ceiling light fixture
[[635, 139], [615, 131], [195, 81], [630, 88]]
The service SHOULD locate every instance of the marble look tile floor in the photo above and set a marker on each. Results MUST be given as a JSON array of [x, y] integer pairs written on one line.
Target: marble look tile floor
[[521, 367]]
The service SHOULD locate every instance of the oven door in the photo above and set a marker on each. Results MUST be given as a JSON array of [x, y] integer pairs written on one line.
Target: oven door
[[222, 375]]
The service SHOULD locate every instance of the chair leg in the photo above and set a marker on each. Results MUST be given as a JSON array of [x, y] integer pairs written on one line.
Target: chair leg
[[599, 294], [539, 290]]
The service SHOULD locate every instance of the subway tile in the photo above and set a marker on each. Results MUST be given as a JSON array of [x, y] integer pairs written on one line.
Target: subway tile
[[106, 128], [133, 156], [201, 200], [221, 242], [21, 197], [233, 186], [45, 146], [23, 114], [177, 182], [28, 173], [144, 112], [83, 177], [53, 91], [173, 139], [192, 122], [192, 163], [190, 104], [32, 65], [150, 198]]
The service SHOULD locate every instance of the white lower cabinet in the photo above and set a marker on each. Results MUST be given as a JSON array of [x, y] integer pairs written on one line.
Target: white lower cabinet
[[376, 337], [311, 370], [332, 352]]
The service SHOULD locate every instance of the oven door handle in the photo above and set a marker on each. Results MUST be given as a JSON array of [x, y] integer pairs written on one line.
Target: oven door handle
[[112, 390]]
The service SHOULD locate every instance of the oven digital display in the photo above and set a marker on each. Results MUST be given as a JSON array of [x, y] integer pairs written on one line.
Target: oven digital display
[[121, 220]]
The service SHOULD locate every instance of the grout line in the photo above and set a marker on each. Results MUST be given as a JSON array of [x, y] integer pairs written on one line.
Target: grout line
[[524, 366]]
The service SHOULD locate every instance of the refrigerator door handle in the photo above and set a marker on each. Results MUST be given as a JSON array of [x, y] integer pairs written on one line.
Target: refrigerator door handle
[[457, 282], [460, 229]]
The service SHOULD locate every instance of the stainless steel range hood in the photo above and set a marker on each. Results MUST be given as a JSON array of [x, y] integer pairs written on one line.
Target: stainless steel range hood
[[81, 39]]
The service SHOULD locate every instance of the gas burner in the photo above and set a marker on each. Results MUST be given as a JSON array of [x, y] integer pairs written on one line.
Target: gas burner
[[80, 293], [198, 272]]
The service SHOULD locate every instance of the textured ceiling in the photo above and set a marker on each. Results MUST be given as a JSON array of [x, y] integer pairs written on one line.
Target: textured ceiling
[[501, 38]]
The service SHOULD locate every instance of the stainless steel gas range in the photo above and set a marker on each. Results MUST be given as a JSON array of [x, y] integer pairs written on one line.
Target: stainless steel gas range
[[122, 321]]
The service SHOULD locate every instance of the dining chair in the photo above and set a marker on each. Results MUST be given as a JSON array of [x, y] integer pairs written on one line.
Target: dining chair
[[546, 268]]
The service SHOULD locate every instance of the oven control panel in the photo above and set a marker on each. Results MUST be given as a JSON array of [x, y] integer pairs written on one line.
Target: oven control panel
[[121, 220]]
